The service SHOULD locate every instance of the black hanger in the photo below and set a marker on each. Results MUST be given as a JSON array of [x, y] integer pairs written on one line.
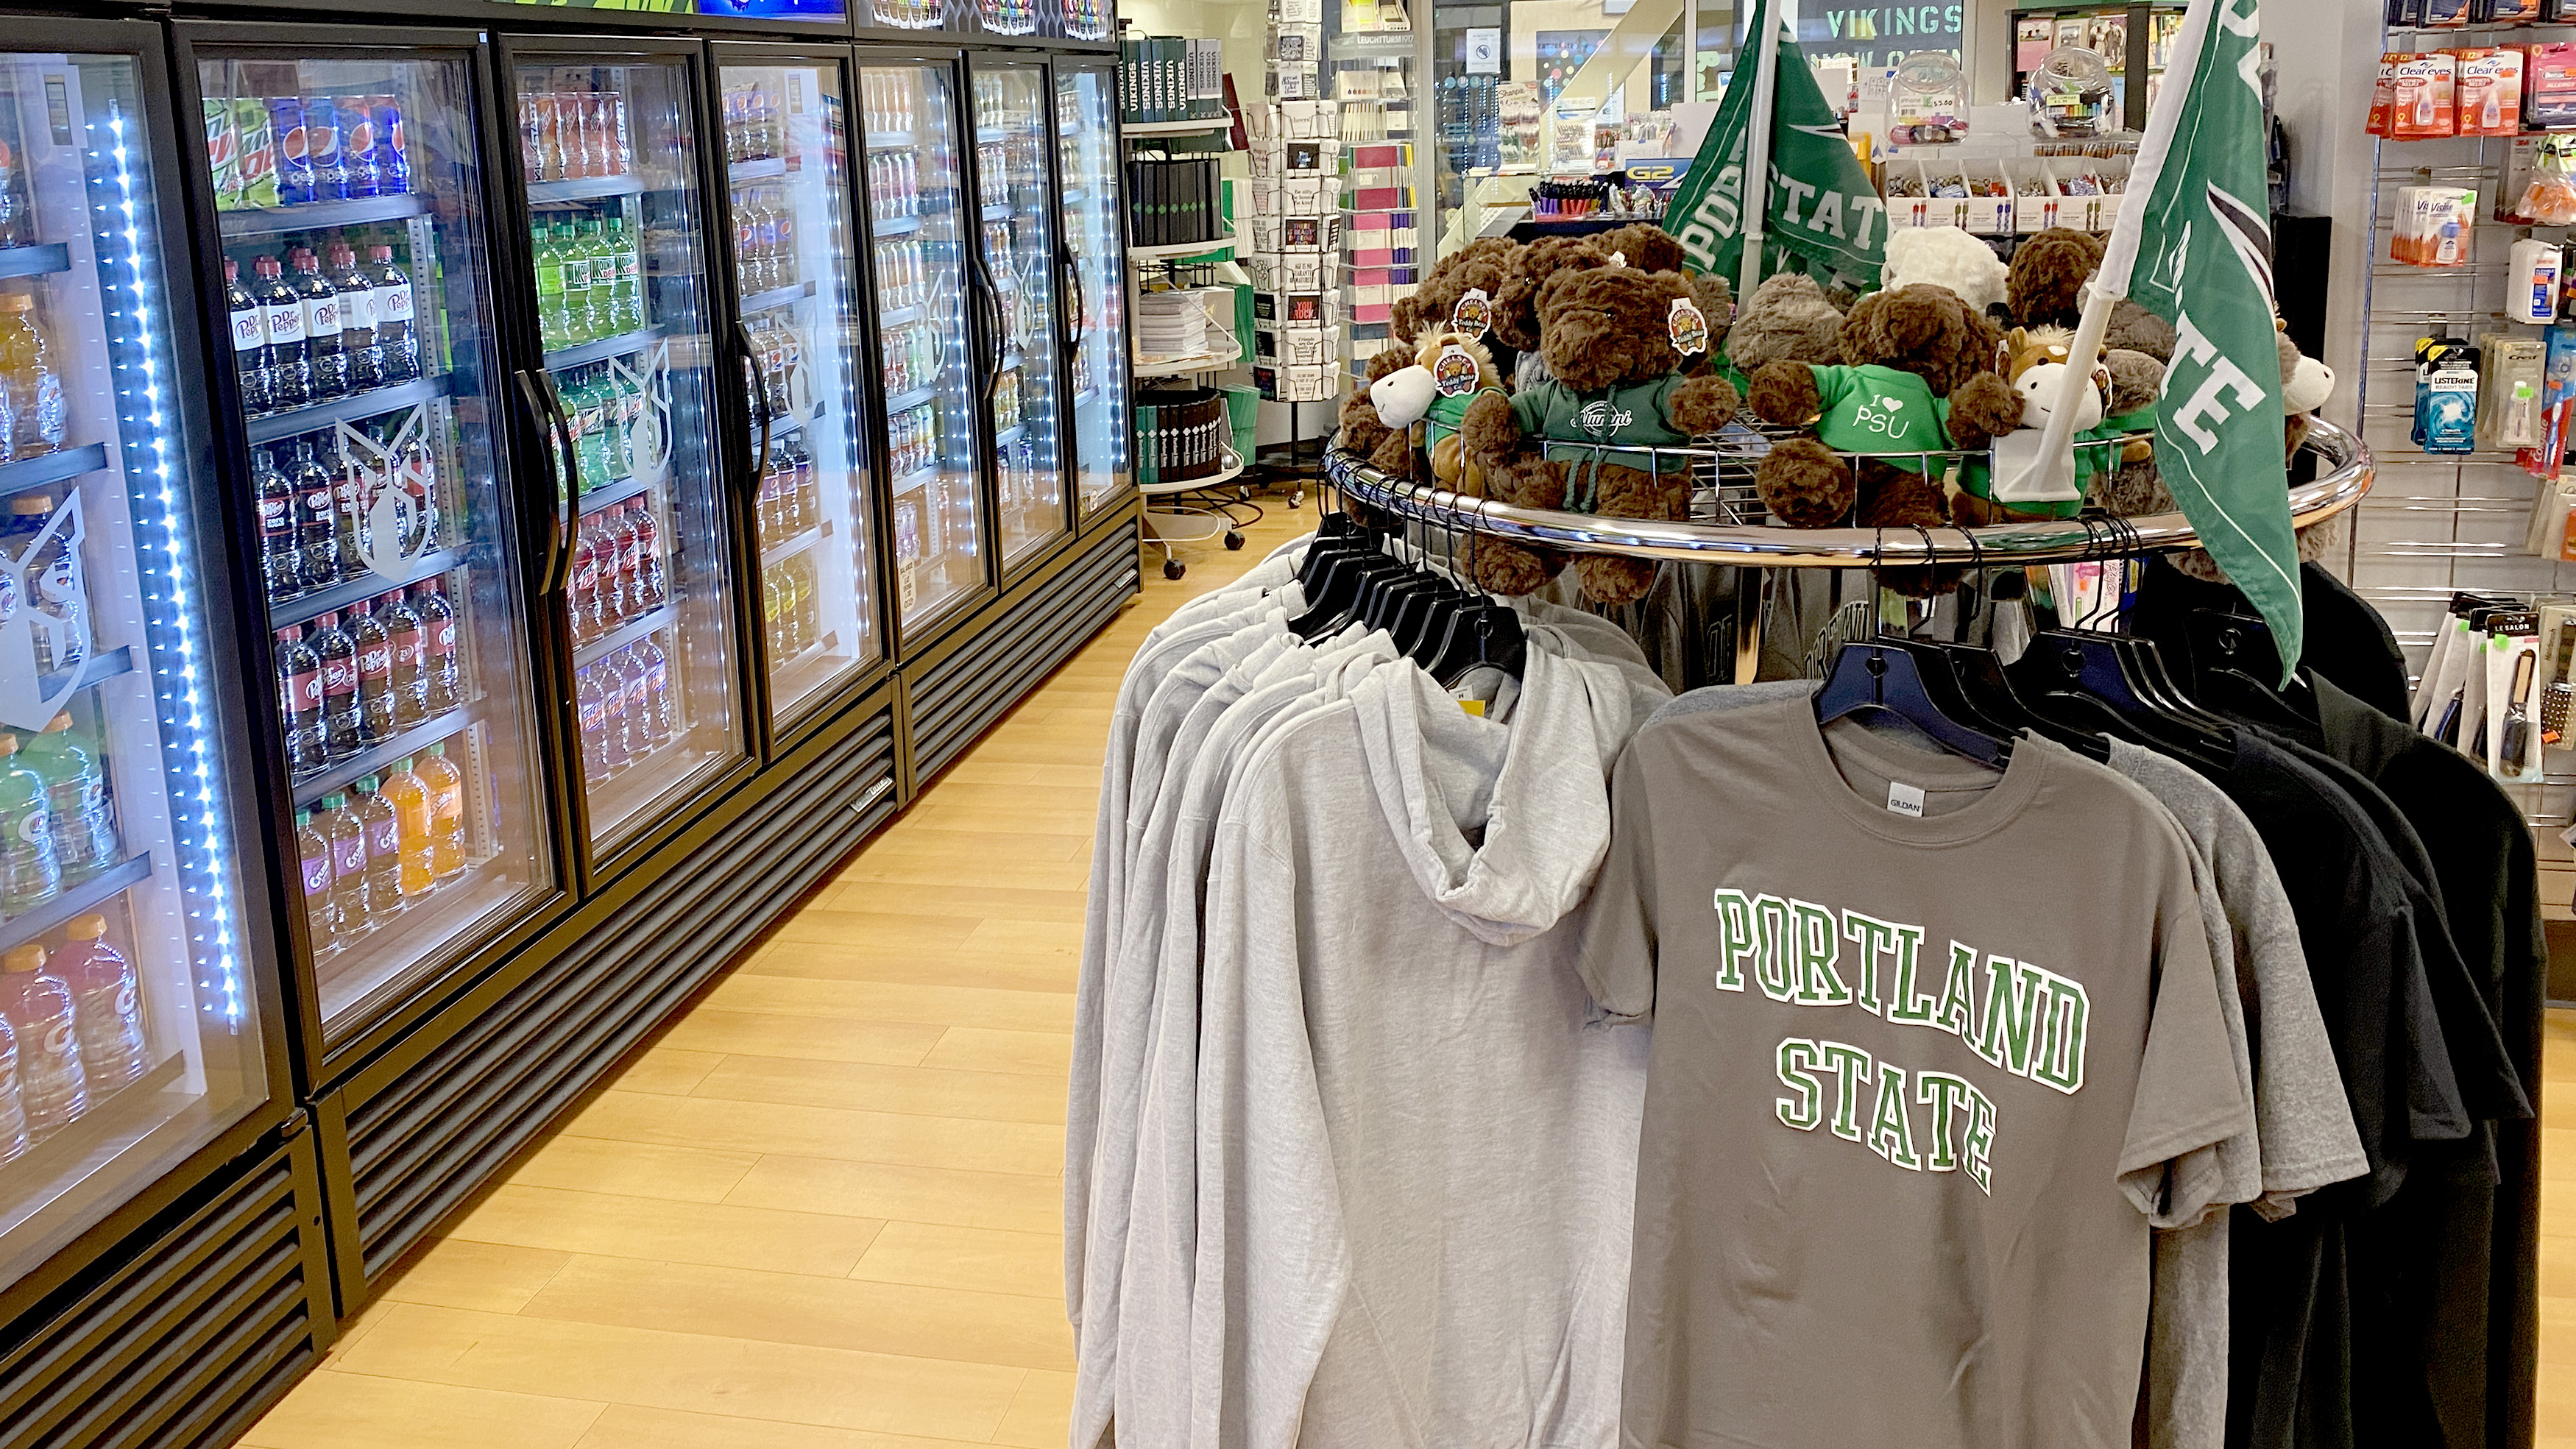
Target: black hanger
[[1484, 635], [1990, 693], [1337, 590], [2234, 661], [2089, 680], [1885, 675]]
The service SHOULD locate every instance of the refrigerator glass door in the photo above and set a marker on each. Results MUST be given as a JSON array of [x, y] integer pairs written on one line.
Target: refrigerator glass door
[[1095, 324], [609, 148], [349, 214], [1016, 207], [916, 206], [132, 1033], [787, 158]]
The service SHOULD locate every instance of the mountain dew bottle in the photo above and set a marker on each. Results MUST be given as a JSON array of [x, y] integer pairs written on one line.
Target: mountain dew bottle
[[552, 324]]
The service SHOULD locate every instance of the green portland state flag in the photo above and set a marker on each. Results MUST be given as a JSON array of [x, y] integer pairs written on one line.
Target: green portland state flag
[[2194, 245], [1820, 202]]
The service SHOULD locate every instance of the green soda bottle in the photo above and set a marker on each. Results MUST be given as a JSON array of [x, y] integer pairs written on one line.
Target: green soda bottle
[[30, 874], [626, 409], [576, 283], [589, 400], [629, 302], [603, 278], [550, 289]]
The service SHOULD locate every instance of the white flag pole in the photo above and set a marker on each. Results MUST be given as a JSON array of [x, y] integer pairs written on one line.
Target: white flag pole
[[2051, 477], [1757, 149]]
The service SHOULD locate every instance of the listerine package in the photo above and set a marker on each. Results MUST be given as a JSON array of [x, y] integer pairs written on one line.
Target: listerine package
[[2446, 395]]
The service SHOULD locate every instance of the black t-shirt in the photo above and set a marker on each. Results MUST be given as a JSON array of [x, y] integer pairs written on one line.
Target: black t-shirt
[[2482, 857]]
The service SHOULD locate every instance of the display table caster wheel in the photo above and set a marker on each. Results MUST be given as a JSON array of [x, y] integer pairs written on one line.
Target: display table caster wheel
[[1297, 499], [1173, 568], [1233, 540]]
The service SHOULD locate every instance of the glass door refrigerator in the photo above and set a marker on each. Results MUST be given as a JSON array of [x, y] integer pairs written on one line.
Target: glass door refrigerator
[[639, 565], [921, 224], [349, 243], [139, 1027], [801, 360], [1093, 322], [1018, 267]]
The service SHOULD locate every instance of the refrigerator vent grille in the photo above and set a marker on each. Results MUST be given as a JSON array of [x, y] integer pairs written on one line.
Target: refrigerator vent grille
[[430, 1137], [187, 1344], [960, 697]]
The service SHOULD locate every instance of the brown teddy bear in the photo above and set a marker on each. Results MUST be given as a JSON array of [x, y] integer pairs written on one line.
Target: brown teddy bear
[[1615, 383], [1480, 266], [1787, 319], [2045, 288], [1918, 374]]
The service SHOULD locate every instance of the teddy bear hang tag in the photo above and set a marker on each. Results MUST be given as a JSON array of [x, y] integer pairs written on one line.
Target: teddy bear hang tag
[[1688, 325], [1474, 314], [1454, 371]]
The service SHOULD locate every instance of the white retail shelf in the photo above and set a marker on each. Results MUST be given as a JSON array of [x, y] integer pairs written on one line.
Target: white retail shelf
[[1176, 128], [1184, 366], [1179, 249], [1193, 485]]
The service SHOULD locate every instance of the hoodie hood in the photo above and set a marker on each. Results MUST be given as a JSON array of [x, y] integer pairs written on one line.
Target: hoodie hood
[[1503, 822]]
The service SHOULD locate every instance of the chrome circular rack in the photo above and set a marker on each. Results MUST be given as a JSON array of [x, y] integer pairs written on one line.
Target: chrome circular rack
[[2343, 476]]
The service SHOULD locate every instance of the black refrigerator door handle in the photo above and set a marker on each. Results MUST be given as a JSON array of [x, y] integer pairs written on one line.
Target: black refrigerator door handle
[[1071, 268], [548, 412], [760, 395], [560, 573]]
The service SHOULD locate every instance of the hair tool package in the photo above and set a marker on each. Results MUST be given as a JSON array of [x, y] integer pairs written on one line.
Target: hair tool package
[[2446, 395]]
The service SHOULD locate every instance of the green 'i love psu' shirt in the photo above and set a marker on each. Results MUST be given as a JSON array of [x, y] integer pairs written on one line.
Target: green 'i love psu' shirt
[[1874, 409]]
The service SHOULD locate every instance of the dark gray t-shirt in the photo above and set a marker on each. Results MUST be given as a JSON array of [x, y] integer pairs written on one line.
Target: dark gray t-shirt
[[1913, 1083]]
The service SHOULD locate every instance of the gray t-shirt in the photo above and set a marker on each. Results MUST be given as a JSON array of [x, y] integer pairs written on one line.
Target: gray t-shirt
[[1888, 1194]]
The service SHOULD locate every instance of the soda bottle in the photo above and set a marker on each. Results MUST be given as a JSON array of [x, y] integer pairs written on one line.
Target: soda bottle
[[614, 746], [250, 344], [30, 874], [597, 137], [581, 585], [357, 319], [107, 1006], [604, 261], [353, 486], [627, 301], [282, 315], [580, 316], [317, 527], [416, 473], [411, 659], [606, 607], [383, 834], [573, 133], [396, 338], [344, 729], [659, 726], [446, 812], [348, 866], [322, 340], [621, 146], [299, 701], [38, 411], [358, 145], [321, 909], [634, 702], [626, 415], [553, 319], [586, 402], [443, 682], [592, 712], [84, 826], [649, 587], [532, 141], [630, 558], [375, 650], [393, 157], [281, 563], [769, 606], [322, 147], [39, 1008]]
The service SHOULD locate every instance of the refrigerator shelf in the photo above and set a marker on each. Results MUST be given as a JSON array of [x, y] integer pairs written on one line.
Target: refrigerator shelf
[[128, 1112], [889, 140], [586, 188], [998, 211], [1075, 196], [897, 225], [1083, 399], [633, 631], [760, 170], [35, 261], [786, 424], [346, 409], [270, 220], [341, 595], [1009, 435], [380, 759], [94, 671], [76, 901], [53, 467], [602, 350], [901, 315], [612, 493], [777, 297], [914, 479], [928, 392], [781, 552]]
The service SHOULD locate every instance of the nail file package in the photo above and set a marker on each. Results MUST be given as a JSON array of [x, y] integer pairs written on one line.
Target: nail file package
[[2446, 395]]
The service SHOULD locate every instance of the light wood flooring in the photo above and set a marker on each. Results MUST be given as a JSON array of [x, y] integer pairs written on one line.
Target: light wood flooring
[[821, 1210]]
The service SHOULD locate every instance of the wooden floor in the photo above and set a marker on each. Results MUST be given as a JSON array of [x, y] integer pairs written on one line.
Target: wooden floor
[[821, 1210]]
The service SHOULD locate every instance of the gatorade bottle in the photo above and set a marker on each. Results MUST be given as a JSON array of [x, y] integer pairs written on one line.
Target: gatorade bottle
[[30, 874], [35, 388], [321, 911], [39, 1007], [415, 815], [107, 1006], [13, 1109], [84, 828], [384, 848], [348, 866], [446, 812]]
